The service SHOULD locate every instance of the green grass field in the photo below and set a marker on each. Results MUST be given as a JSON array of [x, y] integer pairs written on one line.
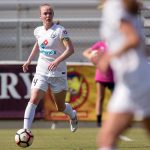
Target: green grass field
[[63, 139]]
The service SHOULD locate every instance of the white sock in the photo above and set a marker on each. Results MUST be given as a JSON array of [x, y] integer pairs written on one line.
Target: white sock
[[29, 115], [69, 111]]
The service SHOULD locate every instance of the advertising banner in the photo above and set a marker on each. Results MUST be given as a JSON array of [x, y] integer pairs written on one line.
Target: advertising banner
[[81, 94], [15, 91]]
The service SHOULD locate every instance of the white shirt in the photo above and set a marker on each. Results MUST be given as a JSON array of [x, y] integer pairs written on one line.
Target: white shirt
[[132, 67], [50, 47]]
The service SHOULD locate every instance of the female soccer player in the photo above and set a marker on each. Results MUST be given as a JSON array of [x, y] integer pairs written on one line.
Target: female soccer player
[[54, 46], [121, 29], [103, 80]]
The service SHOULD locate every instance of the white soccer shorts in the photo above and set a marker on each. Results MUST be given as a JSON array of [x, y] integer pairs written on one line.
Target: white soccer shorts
[[124, 100], [57, 84]]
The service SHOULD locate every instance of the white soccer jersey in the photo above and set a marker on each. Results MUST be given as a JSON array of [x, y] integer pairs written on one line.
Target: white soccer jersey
[[131, 70], [128, 66], [50, 47]]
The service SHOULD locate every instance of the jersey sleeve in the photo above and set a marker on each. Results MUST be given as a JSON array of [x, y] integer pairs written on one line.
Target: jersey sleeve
[[36, 33], [63, 33]]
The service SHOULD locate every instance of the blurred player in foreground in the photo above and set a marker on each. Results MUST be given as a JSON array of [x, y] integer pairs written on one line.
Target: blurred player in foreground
[[103, 80], [121, 29], [54, 46]]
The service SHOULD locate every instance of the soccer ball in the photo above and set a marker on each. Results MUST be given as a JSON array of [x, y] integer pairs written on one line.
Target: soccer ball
[[24, 137]]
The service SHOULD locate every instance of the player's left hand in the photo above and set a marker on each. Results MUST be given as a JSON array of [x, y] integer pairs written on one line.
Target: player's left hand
[[52, 65]]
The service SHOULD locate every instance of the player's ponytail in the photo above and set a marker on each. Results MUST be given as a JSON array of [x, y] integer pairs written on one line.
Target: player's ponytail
[[57, 22]]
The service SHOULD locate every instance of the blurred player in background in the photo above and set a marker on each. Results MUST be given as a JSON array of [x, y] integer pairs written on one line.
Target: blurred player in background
[[103, 80], [121, 29], [54, 46]]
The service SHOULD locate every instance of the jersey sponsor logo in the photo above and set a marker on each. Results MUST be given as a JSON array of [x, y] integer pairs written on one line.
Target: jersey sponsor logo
[[44, 44], [48, 52]]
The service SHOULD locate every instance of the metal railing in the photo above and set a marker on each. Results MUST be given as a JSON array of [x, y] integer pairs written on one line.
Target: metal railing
[[17, 38]]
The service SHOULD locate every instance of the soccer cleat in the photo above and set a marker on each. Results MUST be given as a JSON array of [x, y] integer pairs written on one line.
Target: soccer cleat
[[74, 123]]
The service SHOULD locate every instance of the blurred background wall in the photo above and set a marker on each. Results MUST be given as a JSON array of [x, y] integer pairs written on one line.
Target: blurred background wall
[[18, 18]]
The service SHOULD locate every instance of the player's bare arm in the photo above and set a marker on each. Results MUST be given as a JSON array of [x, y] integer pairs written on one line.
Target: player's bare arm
[[131, 36], [32, 55], [68, 51]]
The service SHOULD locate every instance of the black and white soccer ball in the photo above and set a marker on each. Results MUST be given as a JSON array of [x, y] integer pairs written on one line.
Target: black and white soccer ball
[[24, 138]]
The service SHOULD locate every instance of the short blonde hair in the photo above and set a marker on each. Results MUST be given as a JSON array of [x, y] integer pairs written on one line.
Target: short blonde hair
[[50, 6]]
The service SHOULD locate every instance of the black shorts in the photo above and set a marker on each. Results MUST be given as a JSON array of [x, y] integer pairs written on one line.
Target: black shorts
[[109, 85]]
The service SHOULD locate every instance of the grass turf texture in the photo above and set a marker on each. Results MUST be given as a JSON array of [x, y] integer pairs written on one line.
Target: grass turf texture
[[63, 139]]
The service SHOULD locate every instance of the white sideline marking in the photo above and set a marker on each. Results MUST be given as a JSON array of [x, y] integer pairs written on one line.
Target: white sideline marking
[[125, 138]]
